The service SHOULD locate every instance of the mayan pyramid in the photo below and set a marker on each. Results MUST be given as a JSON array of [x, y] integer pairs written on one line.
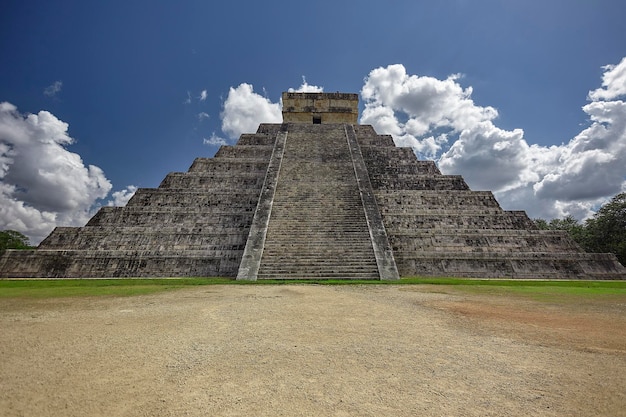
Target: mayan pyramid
[[316, 197]]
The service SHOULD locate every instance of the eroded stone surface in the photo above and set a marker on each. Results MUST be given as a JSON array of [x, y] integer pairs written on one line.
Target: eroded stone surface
[[327, 200]]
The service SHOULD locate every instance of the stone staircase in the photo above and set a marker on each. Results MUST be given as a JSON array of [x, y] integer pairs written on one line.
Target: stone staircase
[[317, 228]]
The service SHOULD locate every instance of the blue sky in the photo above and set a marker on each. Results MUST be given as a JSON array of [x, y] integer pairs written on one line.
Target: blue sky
[[102, 97]]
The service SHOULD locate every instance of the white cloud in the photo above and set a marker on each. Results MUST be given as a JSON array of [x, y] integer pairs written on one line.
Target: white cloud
[[120, 198], [203, 115], [244, 110], [487, 156], [426, 113], [53, 89], [592, 164], [613, 83], [203, 95], [306, 88], [42, 184], [215, 140], [432, 108]]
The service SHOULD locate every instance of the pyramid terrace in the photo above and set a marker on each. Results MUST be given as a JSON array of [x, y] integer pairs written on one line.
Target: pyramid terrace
[[315, 197]]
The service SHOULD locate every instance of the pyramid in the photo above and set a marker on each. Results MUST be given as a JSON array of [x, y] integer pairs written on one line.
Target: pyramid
[[316, 197]]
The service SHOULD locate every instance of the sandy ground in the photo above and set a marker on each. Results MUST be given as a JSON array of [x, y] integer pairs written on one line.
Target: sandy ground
[[306, 350]]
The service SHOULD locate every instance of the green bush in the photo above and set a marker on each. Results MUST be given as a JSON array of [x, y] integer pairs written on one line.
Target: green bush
[[10, 239]]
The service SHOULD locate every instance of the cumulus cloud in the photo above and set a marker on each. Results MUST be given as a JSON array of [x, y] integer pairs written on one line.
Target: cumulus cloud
[[42, 184], [613, 83], [484, 150], [203, 95], [244, 110], [419, 111], [120, 198], [53, 89], [306, 88], [429, 115], [592, 164]]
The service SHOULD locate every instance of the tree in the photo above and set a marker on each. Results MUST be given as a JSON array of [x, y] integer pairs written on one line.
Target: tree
[[606, 230], [541, 224], [568, 224], [10, 239]]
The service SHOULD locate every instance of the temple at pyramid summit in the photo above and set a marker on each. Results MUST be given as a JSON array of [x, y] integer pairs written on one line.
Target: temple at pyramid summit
[[315, 197]]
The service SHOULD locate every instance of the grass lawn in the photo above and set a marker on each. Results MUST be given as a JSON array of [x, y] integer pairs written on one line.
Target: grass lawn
[[540, 290]]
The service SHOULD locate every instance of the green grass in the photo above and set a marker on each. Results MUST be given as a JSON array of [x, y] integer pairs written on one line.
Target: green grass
[[543, 290], [556, 291], [51, 288]]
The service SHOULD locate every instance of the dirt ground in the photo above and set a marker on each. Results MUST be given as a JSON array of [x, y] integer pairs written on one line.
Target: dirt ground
[[307, 350]]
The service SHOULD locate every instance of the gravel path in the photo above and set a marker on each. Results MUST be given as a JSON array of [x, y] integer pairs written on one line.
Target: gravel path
[[306, 350]]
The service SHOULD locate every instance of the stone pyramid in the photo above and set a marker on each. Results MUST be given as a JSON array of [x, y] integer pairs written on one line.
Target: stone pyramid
[[316, 197]]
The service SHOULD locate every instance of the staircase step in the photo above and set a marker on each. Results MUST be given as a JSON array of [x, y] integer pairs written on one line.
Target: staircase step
[[317, 227]]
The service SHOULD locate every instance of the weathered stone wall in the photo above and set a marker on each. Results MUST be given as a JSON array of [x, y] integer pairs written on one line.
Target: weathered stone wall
[[325, 107], [437, 226], [76, 263], [195, 223]]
